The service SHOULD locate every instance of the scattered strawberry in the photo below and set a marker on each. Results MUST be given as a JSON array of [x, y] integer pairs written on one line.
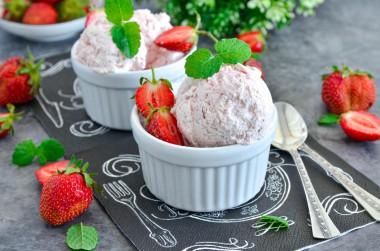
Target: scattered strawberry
[[358, 125], [178, 38], [93, 16], [72, 9], [6, 120], [49, 1], [40, 13], [254, 39], [156, 92], [67, 195], [45, 172], [346, 90], [19, 80], [254, 63], [14, 9], [162, 124]]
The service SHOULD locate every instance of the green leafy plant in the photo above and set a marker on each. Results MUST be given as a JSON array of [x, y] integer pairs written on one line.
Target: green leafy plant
[[79, 237], [273, 222], [224, 17]]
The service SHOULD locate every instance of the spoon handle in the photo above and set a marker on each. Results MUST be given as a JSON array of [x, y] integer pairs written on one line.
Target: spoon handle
[[369, 202], [321, 224]]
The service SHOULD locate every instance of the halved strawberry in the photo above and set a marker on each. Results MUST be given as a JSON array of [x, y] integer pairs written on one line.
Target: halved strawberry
[[43, 173], [93, 16], [178, 38], [254, 39], [156, 92], [254, 63], [6, 120], [361, 125], [162, 124]]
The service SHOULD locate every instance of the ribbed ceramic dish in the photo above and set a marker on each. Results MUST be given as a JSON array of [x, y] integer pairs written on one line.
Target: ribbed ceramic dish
[[202, 179], [107, 97]]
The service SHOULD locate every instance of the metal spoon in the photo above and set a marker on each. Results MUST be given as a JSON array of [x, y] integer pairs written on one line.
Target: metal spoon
[[291, 133]]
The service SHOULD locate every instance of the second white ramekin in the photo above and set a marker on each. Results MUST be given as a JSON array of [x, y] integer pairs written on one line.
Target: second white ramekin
[[203, 179]]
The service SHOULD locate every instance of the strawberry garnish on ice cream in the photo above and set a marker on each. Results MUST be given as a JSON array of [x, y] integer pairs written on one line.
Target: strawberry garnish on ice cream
[[92, 16], [157, 93], [254, 39], [178, 38]]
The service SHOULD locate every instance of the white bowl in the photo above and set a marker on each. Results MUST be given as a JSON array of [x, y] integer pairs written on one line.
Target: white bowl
[[203, 179], [107, 97], [45, 33]]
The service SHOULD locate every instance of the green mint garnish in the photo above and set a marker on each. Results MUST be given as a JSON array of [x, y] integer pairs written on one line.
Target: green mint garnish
[[48, 150], [329, 119], [202, 64], [273, 222], [79, 237], [126, 35]]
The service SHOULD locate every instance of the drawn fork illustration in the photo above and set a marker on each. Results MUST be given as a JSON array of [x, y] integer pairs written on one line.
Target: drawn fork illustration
[[121, 193]]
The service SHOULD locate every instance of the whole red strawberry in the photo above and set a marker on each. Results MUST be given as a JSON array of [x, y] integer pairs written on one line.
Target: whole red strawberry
[[19, 80], [346, 90], [6, 120], [162, 124], [156, 92], [254, 63], [40, 13], [254, 39], [178, 38], [66, 195], [14, 9], [72, 9]]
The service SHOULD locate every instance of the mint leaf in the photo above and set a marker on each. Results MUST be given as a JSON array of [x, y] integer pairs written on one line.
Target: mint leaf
[[118, 10], [49, 150], [329, 119], [127, 38], [233, 51], [82, 237], [202, 64], [273, 222], [24, 153]]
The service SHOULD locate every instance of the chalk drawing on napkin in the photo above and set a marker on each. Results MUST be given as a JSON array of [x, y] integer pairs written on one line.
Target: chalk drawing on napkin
[[50, 108], [350, 205], [232, 245], [122, 165], [264, 227], [49, 69], [87, 128], [75, 101]]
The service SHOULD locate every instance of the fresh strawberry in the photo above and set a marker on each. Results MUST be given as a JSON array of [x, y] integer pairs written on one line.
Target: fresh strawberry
[[67, 195], [156, 92], [346, 90], [14, 9], [72, 9], [43, 173], [92, 16], [40, 13], [19, 80], [162, 124], [254, 39], [254, 63], [361, 125], [49, 1], [6, 120], [178, 38]]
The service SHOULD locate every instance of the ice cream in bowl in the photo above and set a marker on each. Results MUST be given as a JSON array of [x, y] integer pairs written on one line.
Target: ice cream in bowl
[[227, 122], [111, 56]]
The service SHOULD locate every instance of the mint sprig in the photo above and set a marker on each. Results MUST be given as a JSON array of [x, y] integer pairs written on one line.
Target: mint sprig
[[329, 119], [126, 35], [48, 150], [79, 237], [202, 64], [272, 222]]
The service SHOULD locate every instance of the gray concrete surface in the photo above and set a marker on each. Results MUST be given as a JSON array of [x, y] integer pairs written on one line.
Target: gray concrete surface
[[296, 57]]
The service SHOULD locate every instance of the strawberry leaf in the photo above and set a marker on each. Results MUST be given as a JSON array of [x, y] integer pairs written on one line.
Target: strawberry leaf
[[127, 38], [202, 64], [167, 83], [233, 51], [329, 119], [49, 150], [118, 10], [81, 237], [88, 179], [24, 153]]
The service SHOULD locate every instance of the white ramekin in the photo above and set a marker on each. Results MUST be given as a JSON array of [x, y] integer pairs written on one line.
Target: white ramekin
[[107, 97], [202, 179]]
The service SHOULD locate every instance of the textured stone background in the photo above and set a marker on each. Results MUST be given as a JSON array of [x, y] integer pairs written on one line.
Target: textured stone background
[[294, 61]]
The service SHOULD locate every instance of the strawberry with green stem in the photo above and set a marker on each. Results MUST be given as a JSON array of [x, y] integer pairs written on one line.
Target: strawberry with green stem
[[254, 39], [6, 120], [72, 9], [67, 194], [19, 80], [15, 9], [40, 14]]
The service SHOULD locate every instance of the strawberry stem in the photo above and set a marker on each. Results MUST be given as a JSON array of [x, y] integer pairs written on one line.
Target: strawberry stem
[[198, 21], [202, 32], [153, 76]]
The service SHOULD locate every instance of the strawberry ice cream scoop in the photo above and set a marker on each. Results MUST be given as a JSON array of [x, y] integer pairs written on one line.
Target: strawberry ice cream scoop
[[234, 106]]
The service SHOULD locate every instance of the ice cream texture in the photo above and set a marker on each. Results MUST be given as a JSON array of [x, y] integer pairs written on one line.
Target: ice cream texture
[[97, 50], [234, 106]]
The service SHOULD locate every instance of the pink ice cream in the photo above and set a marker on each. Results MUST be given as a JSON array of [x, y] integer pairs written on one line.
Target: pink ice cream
[[234, 106], [96, 49]]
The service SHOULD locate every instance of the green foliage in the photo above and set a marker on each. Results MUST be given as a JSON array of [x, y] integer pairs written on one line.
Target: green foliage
[[225, 17], [79, 237], [329, 119]]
